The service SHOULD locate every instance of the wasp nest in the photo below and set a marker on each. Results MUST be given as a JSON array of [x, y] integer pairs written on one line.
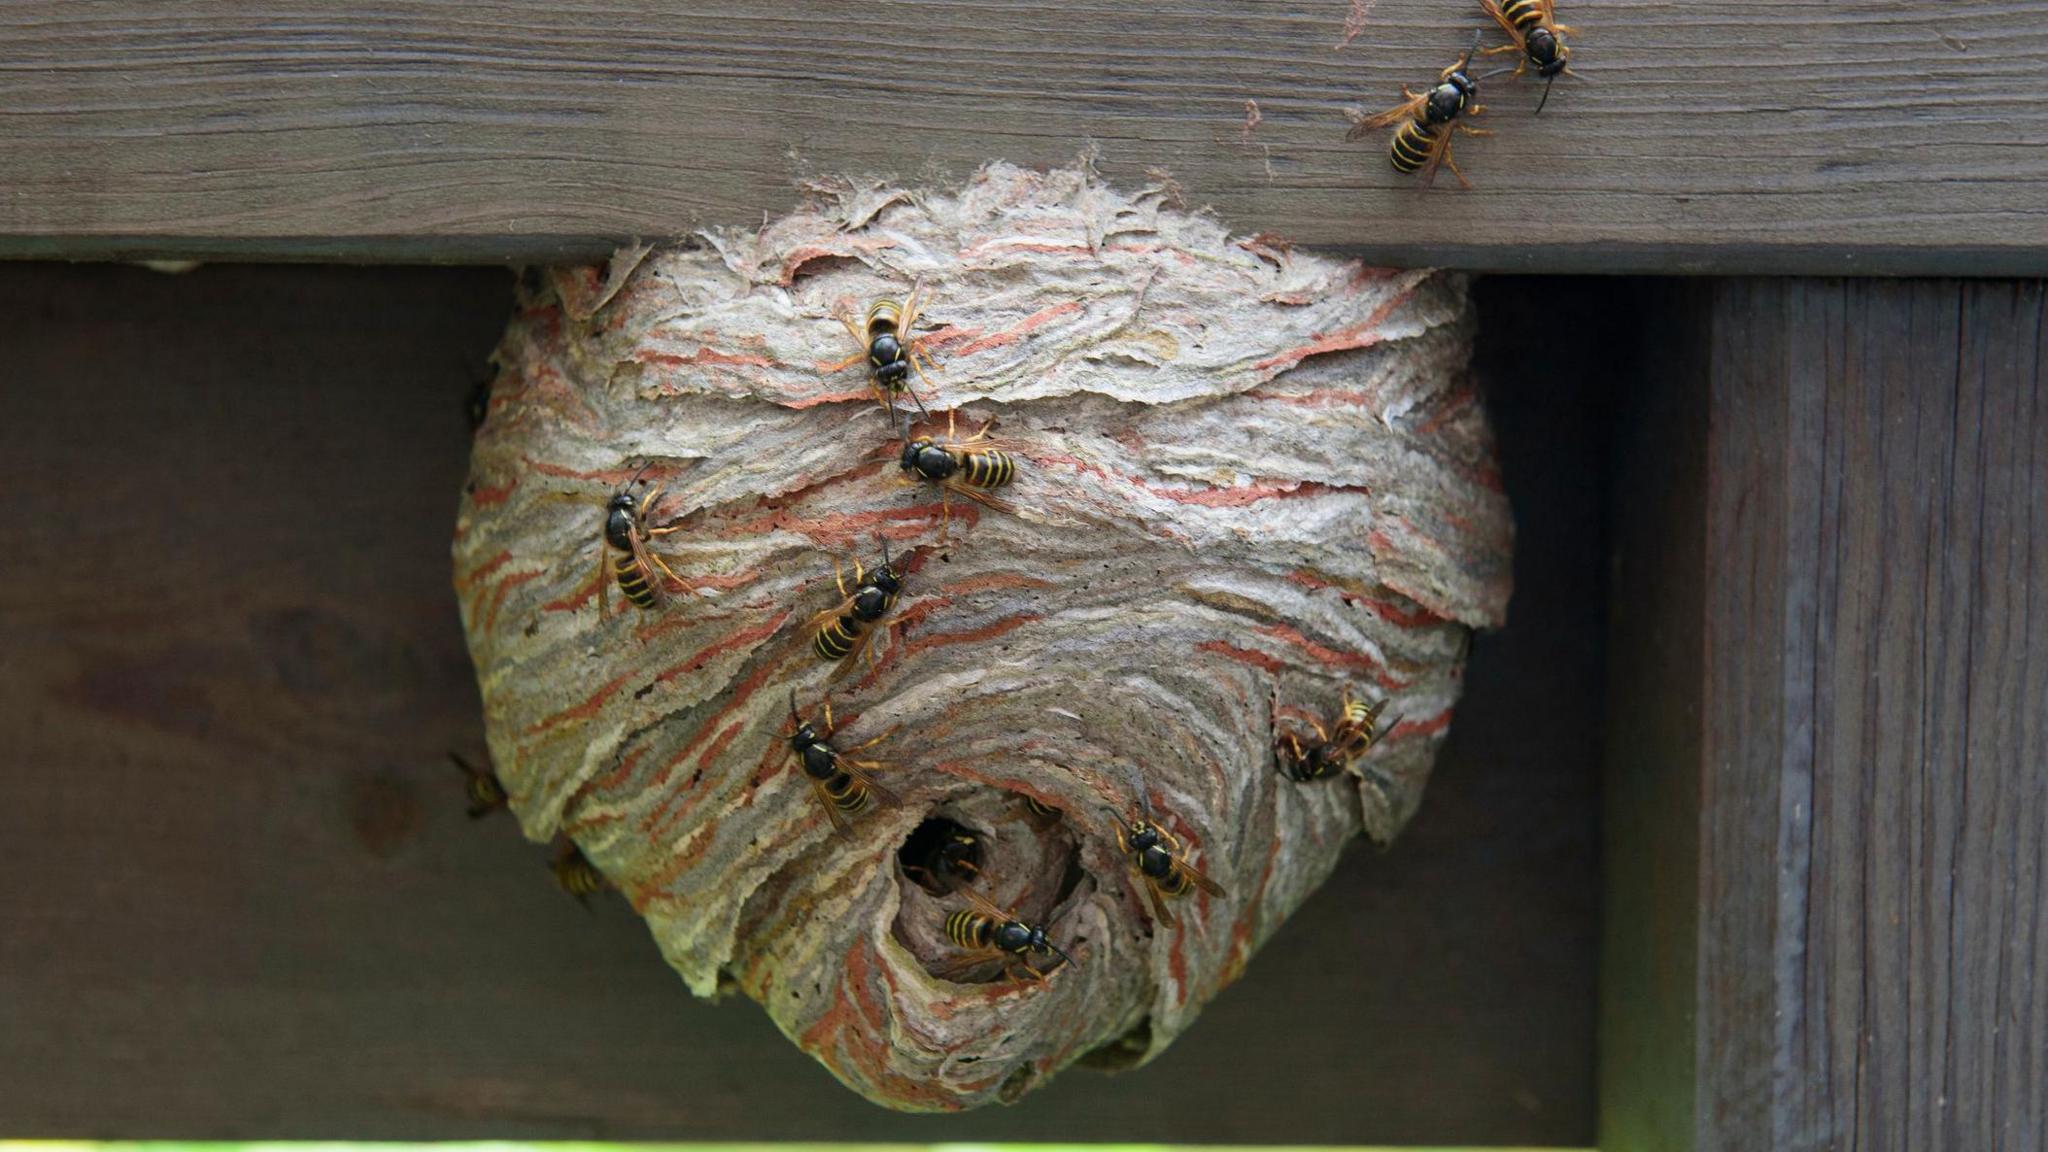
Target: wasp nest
[[1248, 481]]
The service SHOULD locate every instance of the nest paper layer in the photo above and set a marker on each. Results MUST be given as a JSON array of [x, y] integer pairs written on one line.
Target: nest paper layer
[[1244, 471]]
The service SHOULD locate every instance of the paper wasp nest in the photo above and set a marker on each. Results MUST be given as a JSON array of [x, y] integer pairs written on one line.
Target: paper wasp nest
[[1243, 472]]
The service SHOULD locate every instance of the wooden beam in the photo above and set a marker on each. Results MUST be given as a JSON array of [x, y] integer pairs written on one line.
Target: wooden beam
[[1869, 748], [1887, 136]]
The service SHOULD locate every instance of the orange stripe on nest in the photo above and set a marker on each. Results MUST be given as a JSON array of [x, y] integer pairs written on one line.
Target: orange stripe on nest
[[1415, 617], [742, 638], [486, 496], [705, 356], [1236, 497], [1011, 335], [667, 813], [942, 639], [1364, 334], [1242, 655], [1326, 655], [583, 711], [587, 592], [817, 398], [465, 581], [499, 593]]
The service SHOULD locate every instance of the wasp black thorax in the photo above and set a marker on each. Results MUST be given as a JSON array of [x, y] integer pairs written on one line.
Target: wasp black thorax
[[621, 520], [886, 355], [924, 457], [1448, 98]]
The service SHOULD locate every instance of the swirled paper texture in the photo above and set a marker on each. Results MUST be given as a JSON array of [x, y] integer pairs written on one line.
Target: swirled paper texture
[[1246, 475]]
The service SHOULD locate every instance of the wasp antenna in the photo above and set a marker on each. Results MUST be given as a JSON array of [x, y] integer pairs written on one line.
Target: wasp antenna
[[792, 707], [1466, 60], [885, 548], [1496, 72], [1057, 951], [1546, 94], [639, 472]]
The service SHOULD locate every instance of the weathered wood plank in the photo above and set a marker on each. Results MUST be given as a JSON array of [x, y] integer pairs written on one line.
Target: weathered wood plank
[[1871, 750], [1884, 136], [241, 899]]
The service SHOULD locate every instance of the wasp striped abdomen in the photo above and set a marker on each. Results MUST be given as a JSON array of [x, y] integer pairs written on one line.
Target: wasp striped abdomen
[[842, 630], [842, 784], [987, 469], [970, 929], [1414, 143], [632, 580]]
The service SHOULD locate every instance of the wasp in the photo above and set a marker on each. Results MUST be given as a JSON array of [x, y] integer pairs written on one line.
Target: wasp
[[843, 785], [951, 859], [632, 563], [848, 627], [1354, 734], [576, 875], [1159, 857], [956, 465], [893, 353], [486, 794], [1534, 32], [987, 933], [1427, 121]]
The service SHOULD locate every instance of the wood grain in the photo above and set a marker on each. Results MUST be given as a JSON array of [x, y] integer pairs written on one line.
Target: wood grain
[[241, 900], [1870, 739], [1882, 136]]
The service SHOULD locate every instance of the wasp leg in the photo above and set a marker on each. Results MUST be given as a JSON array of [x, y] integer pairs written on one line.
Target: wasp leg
[[669, 572]]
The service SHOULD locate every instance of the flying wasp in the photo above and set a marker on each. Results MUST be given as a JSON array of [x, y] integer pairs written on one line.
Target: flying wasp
[[1354, 734], [576, 875], [486, 794], [848, 627], [892, 351], [1427, 121], [625, 550], [986, 932], [1159, 857], [956, 465], [843, 785], [1534, 32]]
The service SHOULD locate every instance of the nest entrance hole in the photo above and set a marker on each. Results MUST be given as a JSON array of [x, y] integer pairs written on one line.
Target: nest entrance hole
[[1022, 862]]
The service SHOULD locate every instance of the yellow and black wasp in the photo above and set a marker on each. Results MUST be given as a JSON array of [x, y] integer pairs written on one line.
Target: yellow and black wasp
[[633, 564], [970, 467], [848, 628], [892, 350], [1161, 859], [844, 786], [576, 875], [486, 794], [986, 932], [1427, 121], [1335, 750], [944, 858], [1534, 32]]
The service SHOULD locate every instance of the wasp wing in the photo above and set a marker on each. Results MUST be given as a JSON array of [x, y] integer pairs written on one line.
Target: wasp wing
[[1500, 17], [1201, 879], [825, 800], [1363, 125]]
